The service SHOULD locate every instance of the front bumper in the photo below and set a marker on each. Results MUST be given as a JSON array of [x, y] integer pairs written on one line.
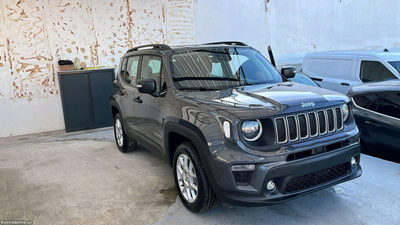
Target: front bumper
[[293, 179]]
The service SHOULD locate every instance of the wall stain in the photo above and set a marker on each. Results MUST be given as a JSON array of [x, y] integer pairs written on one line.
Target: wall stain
[[43, 32]]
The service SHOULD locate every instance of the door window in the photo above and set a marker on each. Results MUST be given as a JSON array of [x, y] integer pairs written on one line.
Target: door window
[[390, 105], [151, 68], [374, 71], [123, 68], [366, 101], [131, 70]]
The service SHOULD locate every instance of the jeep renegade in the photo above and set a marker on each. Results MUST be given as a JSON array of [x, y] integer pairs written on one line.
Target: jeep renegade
[[232, 127]]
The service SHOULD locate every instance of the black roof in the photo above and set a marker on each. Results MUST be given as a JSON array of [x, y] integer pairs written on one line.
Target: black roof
[[381, 86], [159, 47]]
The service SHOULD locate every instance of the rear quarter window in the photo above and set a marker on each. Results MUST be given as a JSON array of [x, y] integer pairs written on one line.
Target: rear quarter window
[[339, 69], [316, 66]]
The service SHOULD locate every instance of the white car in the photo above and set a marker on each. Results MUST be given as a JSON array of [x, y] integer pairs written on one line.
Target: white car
[[339, 70]]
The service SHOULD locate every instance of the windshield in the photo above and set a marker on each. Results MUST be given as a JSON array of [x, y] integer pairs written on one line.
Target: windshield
[[303, 79], [396, 65], [221, 68]]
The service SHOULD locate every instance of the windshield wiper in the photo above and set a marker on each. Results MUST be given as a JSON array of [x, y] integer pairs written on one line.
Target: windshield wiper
[[197, 89], [204, 78]]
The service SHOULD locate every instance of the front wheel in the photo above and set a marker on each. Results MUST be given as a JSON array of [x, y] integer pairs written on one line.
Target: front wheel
[[191, 181], [124, 143]]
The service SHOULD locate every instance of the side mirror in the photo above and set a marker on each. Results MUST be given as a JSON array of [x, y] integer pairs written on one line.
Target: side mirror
[[147, 86], [288, 72]]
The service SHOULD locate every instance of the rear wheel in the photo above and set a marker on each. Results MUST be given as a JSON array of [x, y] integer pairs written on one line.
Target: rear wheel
[[191, 181], [124, 143]]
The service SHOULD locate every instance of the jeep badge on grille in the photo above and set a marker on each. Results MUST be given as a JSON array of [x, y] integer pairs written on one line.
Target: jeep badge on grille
[[307, 104]]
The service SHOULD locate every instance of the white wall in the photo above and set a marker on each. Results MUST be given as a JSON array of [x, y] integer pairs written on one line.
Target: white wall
[[36, 34], [299, 27]]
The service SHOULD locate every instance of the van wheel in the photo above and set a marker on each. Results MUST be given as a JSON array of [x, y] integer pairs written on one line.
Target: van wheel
[[124, 143], [191, 181]]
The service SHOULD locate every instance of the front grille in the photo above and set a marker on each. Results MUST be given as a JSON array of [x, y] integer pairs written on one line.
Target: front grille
[[316, 178], [280, 130], [305, 125], [322, 122]]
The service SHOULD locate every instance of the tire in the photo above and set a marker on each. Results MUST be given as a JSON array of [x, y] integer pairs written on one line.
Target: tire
[[124, 143], [186, 156]]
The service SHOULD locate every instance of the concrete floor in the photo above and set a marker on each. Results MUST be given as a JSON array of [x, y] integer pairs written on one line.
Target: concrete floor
[[82, 178]]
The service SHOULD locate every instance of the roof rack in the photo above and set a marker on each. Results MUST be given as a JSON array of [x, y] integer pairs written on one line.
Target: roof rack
[[155, 46], [227, 43]]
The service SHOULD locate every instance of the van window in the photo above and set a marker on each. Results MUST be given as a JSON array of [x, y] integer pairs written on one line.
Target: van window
[[339, 68], [316, 66], [374, 71], [396, 65]]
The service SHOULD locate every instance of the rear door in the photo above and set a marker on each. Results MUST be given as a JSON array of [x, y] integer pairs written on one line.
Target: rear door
[[129, 93]]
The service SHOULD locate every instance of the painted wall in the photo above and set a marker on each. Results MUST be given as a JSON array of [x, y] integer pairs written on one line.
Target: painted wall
[[35, 34]]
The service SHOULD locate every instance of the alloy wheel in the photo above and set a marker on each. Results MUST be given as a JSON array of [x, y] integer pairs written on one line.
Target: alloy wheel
[[187, 179], [119, 132]]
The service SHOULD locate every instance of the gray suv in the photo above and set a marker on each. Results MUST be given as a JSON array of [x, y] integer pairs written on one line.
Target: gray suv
[[232, 127]]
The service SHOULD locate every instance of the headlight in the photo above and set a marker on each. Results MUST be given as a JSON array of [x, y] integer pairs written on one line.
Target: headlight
[[252, 130], [345, 112]]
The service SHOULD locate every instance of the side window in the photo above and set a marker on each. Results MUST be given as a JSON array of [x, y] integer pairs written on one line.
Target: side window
[[339, 69], [366, 101], [132, 70], [151, 68], [316, 66], [374, 71], [390, 105], [122, 69]]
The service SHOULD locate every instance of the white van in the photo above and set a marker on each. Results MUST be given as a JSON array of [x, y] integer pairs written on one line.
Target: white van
[[339, 70]]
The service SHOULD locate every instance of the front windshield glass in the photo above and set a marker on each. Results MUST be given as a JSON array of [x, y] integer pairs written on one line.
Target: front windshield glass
[[396, 65], [221, 68], [303, 79]]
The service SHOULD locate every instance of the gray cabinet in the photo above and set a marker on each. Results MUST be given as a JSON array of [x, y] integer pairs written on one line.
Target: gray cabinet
[[85, 98]]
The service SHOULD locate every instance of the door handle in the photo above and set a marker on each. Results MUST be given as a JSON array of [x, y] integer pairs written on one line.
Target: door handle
[[372, 124], [316, 79], [138, 100], [121, 93], [345, 84]]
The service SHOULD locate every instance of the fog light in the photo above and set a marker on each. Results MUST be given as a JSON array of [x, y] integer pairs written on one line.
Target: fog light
[[353, 161], [271, 185]]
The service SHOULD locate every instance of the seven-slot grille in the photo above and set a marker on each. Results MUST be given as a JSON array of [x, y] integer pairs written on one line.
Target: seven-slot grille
[[310, 124]]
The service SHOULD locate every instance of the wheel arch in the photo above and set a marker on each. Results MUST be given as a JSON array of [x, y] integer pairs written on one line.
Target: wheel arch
[[115, 109], [179, 132]]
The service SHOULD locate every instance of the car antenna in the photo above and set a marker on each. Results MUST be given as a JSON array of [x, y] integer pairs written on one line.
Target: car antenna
[[271, 56], [386, 50]]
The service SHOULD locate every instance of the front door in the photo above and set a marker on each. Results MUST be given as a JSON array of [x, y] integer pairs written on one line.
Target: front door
[[149, 110], [378, 118]]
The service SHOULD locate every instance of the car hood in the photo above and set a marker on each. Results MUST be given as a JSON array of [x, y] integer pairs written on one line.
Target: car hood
[[257, 101]]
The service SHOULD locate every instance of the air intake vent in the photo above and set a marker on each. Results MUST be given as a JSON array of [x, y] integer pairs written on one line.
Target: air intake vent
[[303, 126], [280, 127]]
